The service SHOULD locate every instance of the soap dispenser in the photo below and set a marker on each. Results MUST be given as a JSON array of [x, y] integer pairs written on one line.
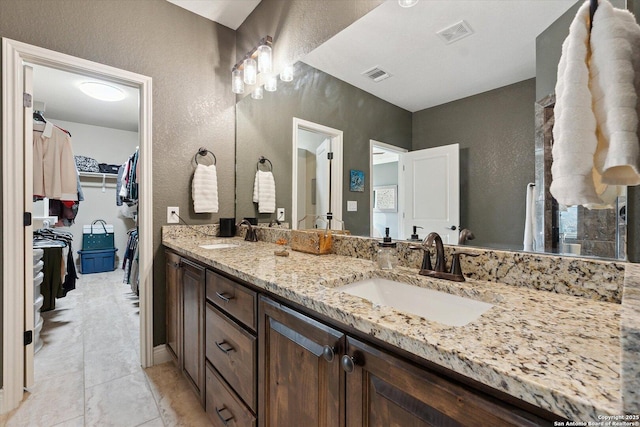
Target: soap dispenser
[[387, 257]]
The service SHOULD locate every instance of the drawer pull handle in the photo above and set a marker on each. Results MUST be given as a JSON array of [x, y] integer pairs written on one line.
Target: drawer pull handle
[[227, 350], [224, 420], [224, 297]]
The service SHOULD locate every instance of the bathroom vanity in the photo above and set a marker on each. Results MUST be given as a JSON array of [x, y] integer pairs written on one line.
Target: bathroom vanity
[[282, 345]]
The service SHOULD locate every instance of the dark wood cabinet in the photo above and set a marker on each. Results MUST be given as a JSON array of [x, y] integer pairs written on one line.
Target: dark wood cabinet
[[174, 304], [185, 285], [383, 390], [193, 300], [302, 383]]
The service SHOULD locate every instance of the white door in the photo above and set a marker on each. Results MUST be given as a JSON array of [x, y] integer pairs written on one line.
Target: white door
[[322, 182], [29, 321], [432, 191]]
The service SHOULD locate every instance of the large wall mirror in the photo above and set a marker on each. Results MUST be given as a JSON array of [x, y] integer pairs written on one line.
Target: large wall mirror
[[436, 74]]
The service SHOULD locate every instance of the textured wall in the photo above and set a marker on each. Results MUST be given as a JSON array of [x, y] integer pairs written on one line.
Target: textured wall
[[495, 131], [264, 127], [189, 59]]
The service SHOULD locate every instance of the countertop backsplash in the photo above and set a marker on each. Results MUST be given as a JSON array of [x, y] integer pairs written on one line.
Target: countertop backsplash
[[583, 277]]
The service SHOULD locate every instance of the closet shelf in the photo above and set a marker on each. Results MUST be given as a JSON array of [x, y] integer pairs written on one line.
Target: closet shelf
[[99, 175]]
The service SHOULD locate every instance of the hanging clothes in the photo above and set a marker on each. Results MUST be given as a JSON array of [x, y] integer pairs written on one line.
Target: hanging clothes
[[130, 261], [54, 167], [59, 274]]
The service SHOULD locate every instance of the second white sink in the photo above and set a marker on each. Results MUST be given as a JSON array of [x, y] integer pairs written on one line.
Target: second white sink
[[433, 305]]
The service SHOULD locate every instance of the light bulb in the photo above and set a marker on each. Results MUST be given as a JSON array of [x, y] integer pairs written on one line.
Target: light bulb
[[237, 85], [287, 73], [271, 83], [102, 91], [264, 59], [257, 93], [250, 71]]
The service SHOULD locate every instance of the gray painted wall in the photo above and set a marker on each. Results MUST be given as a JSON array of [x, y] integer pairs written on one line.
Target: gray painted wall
[[264, 128], [189, 59], [495, 131]]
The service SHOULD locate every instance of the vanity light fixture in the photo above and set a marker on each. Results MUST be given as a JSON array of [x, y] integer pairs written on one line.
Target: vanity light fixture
[[407, 3], [257, 69], [102, 91]]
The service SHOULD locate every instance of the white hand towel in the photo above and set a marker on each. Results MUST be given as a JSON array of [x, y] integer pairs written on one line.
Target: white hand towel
[[615, 83], [264, 192], [204, 189], [529, 225]]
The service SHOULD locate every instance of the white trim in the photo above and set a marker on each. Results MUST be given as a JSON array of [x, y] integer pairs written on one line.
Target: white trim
[[161, 354], [14, 54], [336, 174], [400, 151]]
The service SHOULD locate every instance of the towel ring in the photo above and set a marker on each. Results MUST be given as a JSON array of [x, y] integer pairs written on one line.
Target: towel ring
[[203, 152], [261, 160]]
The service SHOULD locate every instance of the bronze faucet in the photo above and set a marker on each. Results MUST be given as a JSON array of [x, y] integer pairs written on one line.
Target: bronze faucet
[[250, 235], [439, 271]]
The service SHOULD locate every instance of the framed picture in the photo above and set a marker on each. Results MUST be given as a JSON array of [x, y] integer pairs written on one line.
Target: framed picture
[[385, 198], [356, 182]]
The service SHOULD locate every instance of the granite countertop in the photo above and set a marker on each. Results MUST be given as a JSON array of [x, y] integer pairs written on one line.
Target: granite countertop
[[558, 352]]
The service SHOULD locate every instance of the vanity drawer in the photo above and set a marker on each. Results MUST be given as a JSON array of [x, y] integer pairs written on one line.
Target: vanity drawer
[[232, 298], [223, 407], [233, 352]]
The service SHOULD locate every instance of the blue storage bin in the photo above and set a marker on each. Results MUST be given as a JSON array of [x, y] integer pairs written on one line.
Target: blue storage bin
[[97, 261]]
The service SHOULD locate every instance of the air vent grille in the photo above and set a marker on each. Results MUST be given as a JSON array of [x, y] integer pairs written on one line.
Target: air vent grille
[[455, 32], [376, 74]]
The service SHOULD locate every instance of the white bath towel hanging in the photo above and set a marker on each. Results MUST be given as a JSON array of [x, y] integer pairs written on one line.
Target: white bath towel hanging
[[264, 191], [596, 113], [204, 189]]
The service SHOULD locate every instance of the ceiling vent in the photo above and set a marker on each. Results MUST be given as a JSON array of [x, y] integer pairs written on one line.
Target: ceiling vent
[[376, 74], [455, 32]]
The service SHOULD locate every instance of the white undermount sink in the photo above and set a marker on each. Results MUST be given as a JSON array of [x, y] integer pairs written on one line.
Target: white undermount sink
[[220, 245], [433, 305]]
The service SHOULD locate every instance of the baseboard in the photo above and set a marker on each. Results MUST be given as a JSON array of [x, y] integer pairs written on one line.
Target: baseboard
[[161, 354]]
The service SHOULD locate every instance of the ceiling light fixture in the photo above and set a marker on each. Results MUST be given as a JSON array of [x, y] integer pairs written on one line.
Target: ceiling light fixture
[[102, 91], [407, 3], [257, 68]]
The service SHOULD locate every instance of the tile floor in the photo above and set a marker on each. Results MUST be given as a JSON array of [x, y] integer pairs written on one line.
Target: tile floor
[[88, 372]]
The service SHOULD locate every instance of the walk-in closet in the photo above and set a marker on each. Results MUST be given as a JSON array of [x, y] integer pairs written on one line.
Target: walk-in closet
[[85, 221]]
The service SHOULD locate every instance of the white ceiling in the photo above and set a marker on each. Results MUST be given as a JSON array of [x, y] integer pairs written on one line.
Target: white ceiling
[[230, 13], [425, 70], [64, 100]]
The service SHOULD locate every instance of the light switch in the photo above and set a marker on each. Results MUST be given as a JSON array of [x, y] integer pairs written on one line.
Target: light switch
[[352, 205]]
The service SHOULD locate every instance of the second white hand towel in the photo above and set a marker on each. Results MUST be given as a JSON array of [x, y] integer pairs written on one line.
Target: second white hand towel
[[264, 192], [204, 189]]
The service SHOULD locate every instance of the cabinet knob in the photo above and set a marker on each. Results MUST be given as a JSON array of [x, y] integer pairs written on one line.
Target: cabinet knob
[[328, 353], [451, 227], [226, 350], [223, 297], [224, 420], [348, 364]]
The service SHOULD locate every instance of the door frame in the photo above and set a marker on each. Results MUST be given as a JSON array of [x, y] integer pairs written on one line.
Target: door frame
[[400, 152], [336, 168], [14, 54]]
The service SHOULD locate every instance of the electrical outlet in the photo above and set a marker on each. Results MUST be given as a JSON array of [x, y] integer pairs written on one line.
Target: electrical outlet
[[172, 215], [280, 214], [352, 205]]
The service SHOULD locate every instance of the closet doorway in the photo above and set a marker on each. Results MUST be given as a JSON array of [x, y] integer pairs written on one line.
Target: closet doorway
[[19, 60]]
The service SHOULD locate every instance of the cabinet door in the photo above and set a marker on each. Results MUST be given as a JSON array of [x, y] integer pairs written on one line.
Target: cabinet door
[[384, 391], [193, 300], [174, 302], [301, 382]]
